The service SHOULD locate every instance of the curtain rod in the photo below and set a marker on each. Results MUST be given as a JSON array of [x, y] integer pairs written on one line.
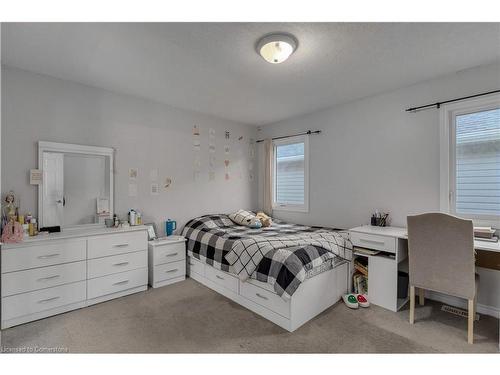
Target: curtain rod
[[309, 132], [438, 104]]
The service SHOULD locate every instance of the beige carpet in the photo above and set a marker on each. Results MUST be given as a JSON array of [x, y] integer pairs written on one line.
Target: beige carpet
[[188, 317]]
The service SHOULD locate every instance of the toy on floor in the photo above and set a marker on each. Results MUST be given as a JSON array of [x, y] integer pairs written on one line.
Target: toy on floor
[[351, 301]]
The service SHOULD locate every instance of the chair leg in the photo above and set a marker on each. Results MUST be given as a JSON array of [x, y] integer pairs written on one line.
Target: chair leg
[[421, 296], [412, 304], [470, 330]]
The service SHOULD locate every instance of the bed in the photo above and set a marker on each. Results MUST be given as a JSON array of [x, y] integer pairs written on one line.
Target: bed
[[287, 273]]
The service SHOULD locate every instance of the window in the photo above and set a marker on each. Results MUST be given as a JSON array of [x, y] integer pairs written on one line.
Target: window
[[291, 174], [473, 172]]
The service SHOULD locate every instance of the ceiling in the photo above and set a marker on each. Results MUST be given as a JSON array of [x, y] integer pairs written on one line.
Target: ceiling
[[213, 67]]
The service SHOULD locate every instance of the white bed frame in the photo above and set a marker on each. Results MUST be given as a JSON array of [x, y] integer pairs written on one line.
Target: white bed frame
[[313, 296]]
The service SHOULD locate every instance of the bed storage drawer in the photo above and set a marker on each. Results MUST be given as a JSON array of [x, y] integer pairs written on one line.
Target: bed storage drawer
[[169, 253], [41, 278], [119, 282], [117, 263], [170, 271], [373, 241], [41, 300], [119, 243], [222, 278], [194, 265], [41, 255], [265, 298]]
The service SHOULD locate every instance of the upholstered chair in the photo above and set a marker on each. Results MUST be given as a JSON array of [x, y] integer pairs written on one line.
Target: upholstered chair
[[441, 259]]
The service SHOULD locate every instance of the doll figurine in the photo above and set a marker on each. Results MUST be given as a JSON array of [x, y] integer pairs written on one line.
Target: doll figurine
[[12, 230]]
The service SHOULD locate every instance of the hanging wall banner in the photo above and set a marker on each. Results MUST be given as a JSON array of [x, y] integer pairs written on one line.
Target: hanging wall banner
[[251, 158], [196, 151]]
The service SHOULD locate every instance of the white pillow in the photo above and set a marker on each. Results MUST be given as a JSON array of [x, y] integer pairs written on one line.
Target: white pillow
[[242, 217]]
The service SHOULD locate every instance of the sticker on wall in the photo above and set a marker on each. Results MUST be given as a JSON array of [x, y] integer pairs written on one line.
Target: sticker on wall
[[227, 135], [239, 157], [155, 190], [167, 183], [211, 154], [133, 173], [132, 190]]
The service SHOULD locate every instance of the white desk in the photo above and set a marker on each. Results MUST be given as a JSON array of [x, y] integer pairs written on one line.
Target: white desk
[[383, 268], [401, 232]]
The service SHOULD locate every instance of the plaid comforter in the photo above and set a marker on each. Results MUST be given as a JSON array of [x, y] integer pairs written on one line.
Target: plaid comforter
[[280, 255]]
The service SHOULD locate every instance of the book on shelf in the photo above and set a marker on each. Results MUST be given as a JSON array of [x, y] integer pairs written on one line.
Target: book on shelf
[[360, 283], [361, 265]]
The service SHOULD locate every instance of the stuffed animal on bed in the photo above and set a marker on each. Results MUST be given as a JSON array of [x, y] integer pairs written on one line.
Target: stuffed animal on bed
[[264, 219]]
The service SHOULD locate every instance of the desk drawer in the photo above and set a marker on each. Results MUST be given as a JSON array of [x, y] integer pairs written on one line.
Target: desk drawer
[[373, 241], [41, 300], [117, 263], [169, 253], [119, 243], [265, 298], [41, 278], [102, 286], [194, 265], [47, 254], [222, 278], [169, 271]]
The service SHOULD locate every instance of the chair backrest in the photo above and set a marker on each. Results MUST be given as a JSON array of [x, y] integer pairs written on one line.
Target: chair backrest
[[441, 254]]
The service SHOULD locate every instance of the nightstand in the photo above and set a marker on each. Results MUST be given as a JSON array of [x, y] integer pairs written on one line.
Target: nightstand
[[167, 261]]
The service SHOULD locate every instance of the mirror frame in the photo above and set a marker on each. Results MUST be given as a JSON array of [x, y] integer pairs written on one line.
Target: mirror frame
[[44, 146]]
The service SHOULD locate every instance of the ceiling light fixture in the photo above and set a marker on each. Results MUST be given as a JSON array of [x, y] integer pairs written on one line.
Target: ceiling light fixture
[[276, 48]]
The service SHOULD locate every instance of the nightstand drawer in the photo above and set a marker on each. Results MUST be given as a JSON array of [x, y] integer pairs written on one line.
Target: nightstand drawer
[[375, 242], [170, 271], [169, 253]]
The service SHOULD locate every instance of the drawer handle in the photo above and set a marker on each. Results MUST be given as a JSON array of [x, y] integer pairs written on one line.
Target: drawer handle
[[48, 256], [121, 282], [121, 245], [174, 270], [219, 277], [372, 241], [48, 299], [261, 296], [49, 278], [171, 255], [121, 264]]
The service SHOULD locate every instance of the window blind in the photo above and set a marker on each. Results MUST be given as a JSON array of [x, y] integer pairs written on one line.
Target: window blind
[[290, 173], [478, 163]]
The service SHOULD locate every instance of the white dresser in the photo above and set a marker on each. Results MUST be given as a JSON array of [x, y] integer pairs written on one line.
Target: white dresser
[[48, 275], [167, 261]]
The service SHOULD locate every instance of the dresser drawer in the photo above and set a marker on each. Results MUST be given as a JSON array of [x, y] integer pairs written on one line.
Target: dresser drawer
[[41, 300], [265, 298], [194, 265], [373, 241], [116, 263], [45, 254], [222, 278], [119, 243], [102, 286], [41, 278], [169, 271], [169, 253]]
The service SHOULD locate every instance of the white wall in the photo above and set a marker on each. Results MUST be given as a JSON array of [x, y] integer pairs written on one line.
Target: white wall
[[145, 134], [372, 154]]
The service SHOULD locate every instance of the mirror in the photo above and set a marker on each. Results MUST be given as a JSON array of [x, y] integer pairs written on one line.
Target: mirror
[[77, 184]]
